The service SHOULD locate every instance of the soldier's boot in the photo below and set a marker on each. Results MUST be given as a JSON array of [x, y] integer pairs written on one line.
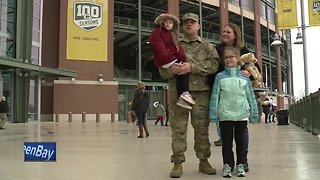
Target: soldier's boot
[[206, 168], [176, 171], [140, 131], [146, 129]]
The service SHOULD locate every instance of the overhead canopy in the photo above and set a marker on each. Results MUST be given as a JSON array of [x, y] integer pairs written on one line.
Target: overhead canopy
[[7, 63]]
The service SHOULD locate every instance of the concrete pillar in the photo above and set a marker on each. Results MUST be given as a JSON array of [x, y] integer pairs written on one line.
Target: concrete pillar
[[280, 97], [173, 7], [224, 14], [257, 34]]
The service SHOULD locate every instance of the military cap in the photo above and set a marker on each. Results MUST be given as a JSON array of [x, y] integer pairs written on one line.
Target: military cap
[[191, 16]]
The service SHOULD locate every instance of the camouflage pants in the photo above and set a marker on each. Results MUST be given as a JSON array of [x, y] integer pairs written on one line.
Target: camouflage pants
[[199, 120]]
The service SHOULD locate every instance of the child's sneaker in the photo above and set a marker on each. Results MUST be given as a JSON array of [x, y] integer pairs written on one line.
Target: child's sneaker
[[187, 97], [246, 167], [182, 103], [218, 142], [240, 171], [226, 171]]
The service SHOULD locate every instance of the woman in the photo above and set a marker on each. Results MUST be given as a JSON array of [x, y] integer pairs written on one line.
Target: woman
[[140, 105], [266, 106], [231, 37]]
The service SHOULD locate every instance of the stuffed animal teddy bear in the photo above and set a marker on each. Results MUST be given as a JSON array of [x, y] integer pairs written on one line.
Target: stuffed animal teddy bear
[[248, 60]]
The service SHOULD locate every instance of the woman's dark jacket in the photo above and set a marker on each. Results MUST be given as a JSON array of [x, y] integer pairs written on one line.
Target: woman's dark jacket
[[220, 49], [4, 107], [266, 107], [140, 101]]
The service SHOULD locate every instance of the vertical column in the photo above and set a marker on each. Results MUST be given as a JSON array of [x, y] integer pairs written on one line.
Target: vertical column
[[257, 33], [224, 15], [173, 7], [23, 53], [139, 41], [289, 64], [280, 97], [21, 100]]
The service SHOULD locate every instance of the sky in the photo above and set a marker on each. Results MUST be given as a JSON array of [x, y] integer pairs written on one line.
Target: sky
[[313, 57]]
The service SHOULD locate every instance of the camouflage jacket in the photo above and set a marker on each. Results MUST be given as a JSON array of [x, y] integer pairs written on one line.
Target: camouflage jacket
[[204, 60]]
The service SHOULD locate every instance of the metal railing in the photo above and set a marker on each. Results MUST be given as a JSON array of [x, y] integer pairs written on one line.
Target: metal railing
[[306, 113]]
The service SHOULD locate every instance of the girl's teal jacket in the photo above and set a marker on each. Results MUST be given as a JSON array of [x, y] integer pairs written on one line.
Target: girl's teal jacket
[[232, 97]]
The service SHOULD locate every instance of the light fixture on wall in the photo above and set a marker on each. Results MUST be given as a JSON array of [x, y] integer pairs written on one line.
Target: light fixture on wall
[[73, 79], [100, 77], [276, 41], [299, 38]]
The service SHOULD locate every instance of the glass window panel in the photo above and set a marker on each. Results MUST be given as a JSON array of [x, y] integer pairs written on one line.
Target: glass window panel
[[126, 39], [35, 52], [271, 14], [36, 23], [7, 28], [36, 36], [263, 10], [36, 9]]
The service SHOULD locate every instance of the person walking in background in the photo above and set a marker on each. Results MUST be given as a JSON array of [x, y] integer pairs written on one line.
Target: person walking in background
[[4, 109], [231, 37], [140, 106], [201, 60], [273, 110], [233, 110], [167, 51], [160, 113], [266, 109]]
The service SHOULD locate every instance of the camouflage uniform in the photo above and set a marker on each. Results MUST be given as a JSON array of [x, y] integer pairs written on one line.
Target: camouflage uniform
[[204, 60]]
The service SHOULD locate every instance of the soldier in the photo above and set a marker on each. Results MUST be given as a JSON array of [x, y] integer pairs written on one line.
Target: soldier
[[202, 60]]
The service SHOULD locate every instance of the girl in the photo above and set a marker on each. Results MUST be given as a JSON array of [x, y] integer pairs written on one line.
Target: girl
[[233, 103], [167, 51]]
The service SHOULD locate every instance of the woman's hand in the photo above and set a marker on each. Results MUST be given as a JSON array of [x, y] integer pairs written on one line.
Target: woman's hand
[[245, 73]]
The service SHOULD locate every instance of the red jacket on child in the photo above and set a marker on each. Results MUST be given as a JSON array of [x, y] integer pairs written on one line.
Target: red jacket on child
[[163, 47]]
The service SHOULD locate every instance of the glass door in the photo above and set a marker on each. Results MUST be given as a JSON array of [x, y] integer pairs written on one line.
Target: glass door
[[6, 89]]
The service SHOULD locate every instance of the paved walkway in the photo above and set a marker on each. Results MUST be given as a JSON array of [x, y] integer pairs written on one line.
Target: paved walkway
[[107, 151]]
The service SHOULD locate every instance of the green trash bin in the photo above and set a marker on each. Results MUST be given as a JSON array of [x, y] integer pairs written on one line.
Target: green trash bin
[[283, 117]]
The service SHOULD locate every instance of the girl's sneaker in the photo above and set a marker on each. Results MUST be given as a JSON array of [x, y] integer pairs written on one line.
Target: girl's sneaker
[[187, 97], [182, 103], [226, 171], [240, 171]]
